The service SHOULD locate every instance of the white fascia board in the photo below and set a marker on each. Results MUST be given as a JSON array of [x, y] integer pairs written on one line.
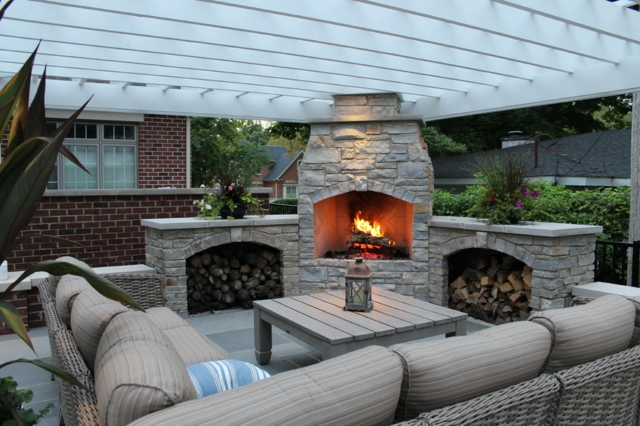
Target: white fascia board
[[150, 100], [584, 83], [95, 115]]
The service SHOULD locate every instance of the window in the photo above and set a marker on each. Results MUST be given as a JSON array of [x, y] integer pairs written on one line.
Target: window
[[291, 191], [107, 151]]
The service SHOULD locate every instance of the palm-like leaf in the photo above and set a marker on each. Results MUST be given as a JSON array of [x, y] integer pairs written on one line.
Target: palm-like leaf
[[50, 368]]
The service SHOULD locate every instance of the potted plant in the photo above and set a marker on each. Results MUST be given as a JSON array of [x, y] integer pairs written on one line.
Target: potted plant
[[505, 192], [231, 201]]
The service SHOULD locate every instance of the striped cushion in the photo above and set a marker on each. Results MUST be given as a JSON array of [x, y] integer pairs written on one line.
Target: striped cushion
[[443, 372], [192, 346], [218, 376], [359, 388], [89, 318], [137, 371], [635, 339], [69, 287], [55, 279], [587, 332]]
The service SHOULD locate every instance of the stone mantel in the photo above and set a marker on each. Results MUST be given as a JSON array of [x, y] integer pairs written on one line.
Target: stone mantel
[[536, 229], [199, 223]]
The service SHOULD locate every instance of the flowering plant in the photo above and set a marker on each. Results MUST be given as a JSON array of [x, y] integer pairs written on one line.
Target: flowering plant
[[231, 196], [505, 193]]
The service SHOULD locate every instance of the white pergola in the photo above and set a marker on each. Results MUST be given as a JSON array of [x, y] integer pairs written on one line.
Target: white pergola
[[284, 59]]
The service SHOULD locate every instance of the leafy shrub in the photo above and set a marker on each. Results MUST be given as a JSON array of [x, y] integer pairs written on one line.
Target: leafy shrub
[[607, 207], [15, 399]]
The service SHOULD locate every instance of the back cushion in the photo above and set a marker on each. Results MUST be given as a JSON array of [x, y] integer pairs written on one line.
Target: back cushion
[[69, 287], [54, 279], [90, 316], [443, 372], [192, 346], [359, 388], [587, 332], [137, 371], [635, 338]]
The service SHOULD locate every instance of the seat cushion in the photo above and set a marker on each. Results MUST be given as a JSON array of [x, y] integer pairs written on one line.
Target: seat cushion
[[443, 372], [137, 371], [69, 287], [54, 279], [359, 388], [192, 346], [219, 376], [91, 314], [587, 332]]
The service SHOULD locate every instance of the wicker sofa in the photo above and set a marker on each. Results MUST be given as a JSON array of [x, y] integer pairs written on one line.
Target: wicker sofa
[[576, 365]]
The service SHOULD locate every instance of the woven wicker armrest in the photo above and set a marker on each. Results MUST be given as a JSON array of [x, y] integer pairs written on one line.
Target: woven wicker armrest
[[146, 289], [527, 404], [605, 391]]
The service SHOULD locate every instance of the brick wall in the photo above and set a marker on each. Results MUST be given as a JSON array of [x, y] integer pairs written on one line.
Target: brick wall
[[162, 152], [108, 226]]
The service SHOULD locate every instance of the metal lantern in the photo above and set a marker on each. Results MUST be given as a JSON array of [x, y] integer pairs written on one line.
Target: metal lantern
[[357, 296]]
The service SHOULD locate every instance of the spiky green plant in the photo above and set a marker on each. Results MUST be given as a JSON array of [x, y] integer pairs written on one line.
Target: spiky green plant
[[24, 172]]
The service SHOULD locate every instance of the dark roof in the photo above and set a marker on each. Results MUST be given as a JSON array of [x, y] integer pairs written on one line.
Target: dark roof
[[281, 162], [604, 154]]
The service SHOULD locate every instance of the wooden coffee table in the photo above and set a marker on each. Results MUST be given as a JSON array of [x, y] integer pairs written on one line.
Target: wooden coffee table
[[319, 320]]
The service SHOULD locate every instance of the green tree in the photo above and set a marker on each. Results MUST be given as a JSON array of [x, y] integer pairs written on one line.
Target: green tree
[[290, 131], [255, 132], [219, 153], [483, 132], [441, 145]]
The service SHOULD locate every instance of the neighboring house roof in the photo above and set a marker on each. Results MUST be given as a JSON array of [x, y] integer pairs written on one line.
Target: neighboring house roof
[[590, 159], [281, 162]]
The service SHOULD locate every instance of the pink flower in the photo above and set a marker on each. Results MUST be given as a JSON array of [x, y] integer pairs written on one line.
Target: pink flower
[[535, 194], [519, 204]]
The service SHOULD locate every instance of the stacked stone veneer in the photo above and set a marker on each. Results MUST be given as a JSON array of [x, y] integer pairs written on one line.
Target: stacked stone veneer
[[558, 261], [171, 241], [367, 145]]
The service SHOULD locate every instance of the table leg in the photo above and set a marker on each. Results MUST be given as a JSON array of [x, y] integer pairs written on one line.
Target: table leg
[[262, 338], [461, 329]]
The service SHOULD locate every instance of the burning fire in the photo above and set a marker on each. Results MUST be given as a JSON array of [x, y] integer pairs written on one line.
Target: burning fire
[[367, 227]]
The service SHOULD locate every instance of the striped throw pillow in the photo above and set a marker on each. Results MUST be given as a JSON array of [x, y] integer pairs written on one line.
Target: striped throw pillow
[[218, 376]]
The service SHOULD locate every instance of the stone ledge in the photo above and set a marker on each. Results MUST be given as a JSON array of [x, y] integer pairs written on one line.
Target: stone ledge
[[598, 289], [196, 223], [538, 229]]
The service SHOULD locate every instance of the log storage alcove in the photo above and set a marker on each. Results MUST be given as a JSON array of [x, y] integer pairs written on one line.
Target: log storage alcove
[[175, 245]]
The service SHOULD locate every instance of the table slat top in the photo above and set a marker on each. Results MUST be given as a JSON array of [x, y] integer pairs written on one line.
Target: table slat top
[[322, 315]]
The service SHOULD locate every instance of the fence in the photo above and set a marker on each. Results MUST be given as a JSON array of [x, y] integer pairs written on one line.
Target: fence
[[612, 262], [275, 208]]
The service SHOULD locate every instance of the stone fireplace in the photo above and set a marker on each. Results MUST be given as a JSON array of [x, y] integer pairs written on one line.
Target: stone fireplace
[[366, 162]]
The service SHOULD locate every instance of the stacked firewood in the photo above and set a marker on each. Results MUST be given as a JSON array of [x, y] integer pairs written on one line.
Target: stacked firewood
[[498, 290], [221, 279]]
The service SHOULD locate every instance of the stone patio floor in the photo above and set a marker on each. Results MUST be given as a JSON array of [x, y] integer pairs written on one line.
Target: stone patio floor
[[232, 331]]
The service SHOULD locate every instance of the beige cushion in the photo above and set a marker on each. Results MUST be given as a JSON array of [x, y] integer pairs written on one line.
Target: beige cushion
[[137, 371], [69, 287], [89, 318], [54, 279], [192, 346], [443, 372], [587, 332], [635, 338], [359, 388]]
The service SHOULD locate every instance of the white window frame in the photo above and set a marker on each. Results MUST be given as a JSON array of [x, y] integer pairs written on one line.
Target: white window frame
[[101, 143], [284, 190]]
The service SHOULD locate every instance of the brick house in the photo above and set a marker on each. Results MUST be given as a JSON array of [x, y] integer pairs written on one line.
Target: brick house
[[282, 175]]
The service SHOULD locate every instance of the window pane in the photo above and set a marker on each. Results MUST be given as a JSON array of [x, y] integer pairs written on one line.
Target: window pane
[[83, 131], [119, 167], [291, 191], [74, 176], [119, 132], [53, 179], [51, 126]]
